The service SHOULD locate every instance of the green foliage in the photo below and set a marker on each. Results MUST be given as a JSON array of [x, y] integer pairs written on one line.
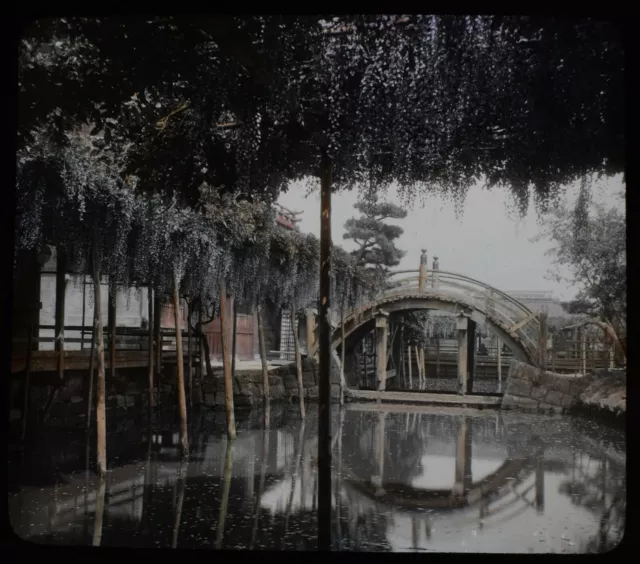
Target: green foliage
[[590, 240], [375, 239]]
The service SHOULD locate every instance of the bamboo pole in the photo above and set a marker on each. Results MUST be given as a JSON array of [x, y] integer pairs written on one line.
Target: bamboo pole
[[410, 359], [189, 353], [226, 362], [222, 515], [296, 345], [182, 401], [150, 352], [101, 449], [91, 363]]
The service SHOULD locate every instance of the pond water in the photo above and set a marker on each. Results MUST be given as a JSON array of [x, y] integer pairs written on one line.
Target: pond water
[[405, 479]]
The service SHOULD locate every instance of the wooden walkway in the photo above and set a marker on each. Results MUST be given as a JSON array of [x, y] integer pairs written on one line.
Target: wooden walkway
[[46, 361], [424, 398]]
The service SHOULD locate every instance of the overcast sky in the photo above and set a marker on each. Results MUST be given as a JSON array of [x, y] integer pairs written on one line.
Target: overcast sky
[[486, 242]]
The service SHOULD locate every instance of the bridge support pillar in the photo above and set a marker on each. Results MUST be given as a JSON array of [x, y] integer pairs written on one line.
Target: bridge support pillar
[[463, 320], [471, 354], [382, 333]]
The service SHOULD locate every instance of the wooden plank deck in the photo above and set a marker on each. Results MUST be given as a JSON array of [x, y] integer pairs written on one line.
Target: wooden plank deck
[[424, 398]]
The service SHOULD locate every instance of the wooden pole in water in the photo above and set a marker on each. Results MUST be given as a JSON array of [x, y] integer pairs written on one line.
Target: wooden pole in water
[[583, 350], [438, 356], [111, 320], [61, 284], [182, 401], [410, 362], [27, 377], [91, 363], [189, 352], [234, 332], [499, 345], [342, 354], [324, 368], [157, 323], [296, 345], [101, 448], [150, 352], [263, 356], [226, 362], [544, 337], [553, 353]]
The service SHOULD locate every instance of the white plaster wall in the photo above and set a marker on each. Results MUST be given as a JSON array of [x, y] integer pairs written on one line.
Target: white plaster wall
[[74, 297]]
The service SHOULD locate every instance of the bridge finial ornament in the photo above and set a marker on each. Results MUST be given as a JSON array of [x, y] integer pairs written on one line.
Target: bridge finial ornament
[[423, 257]]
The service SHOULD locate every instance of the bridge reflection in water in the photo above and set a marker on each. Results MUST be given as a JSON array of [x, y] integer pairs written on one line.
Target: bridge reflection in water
[[404, 479]]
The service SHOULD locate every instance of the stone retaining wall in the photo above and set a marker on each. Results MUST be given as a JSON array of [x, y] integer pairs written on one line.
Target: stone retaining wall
[[283, 385], [527, 388]]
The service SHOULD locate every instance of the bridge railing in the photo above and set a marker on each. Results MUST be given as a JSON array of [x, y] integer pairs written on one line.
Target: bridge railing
[[509, 312]]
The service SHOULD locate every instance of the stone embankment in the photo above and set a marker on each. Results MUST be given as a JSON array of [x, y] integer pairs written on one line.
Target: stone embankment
[[530, 389]]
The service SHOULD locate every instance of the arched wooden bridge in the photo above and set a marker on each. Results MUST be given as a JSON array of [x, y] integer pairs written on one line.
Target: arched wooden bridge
[[472, 301]]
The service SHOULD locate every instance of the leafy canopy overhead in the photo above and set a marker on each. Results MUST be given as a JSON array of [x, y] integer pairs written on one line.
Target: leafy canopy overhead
[[248, 103]]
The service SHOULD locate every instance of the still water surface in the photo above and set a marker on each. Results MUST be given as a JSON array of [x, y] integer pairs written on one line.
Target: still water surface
[[405, 479]]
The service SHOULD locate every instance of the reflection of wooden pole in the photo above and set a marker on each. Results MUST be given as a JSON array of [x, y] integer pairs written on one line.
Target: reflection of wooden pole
[[182, 478], [378, 446], [263, 472], [540, 484], [415, 532], [99, 516], [463, 458], [296, 474], [222, 515]]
